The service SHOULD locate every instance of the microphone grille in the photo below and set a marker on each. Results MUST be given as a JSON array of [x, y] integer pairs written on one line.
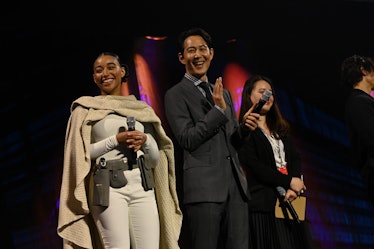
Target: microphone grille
[[281, 190], [131, 123], [266, 95]]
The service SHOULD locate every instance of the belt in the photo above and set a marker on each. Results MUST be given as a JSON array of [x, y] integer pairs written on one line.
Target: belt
[[118, 164]]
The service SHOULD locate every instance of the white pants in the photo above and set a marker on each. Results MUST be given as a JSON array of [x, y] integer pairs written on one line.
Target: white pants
[[131, 218]]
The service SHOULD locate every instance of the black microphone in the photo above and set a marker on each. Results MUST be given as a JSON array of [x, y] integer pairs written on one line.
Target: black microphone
[[265, 97], [282, 193], [131, 127]]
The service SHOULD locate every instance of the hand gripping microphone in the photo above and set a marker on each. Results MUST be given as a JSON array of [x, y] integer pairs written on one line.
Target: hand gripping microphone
[[282, 193], [131, 127], [264, 98]]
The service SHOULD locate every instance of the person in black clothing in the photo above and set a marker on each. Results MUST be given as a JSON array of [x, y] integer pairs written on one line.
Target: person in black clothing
[[271, 160], [357, 72]]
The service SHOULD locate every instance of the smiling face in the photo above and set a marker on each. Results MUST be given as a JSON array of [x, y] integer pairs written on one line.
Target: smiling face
[[108, 74], [196, 56]]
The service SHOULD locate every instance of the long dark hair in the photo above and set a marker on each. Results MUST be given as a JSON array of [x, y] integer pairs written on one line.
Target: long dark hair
[[275, 121]]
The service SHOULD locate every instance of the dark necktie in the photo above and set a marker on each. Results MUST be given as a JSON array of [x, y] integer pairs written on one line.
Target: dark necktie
[[205, 86]]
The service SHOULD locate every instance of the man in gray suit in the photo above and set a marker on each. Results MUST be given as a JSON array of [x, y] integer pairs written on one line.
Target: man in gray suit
[[214, 185]]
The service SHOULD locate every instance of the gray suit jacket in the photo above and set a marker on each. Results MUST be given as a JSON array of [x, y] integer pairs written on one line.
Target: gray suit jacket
[[209, 140]]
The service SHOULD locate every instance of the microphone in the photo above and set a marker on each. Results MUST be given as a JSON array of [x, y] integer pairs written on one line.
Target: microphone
[[131, 123], [265, 97], [131, 127], [282, 193]]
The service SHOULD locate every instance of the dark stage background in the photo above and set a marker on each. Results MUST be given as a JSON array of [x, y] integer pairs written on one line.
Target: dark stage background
[[47, 54]]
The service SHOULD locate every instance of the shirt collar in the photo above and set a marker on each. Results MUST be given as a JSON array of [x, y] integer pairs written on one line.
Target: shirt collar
[[194, 80]]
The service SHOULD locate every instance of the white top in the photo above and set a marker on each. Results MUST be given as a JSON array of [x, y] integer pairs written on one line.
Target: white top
[[104, 143], [278, 150]]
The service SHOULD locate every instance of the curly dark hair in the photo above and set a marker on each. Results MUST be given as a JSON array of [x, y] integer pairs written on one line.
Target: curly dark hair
[[351, 69], [116, 56]]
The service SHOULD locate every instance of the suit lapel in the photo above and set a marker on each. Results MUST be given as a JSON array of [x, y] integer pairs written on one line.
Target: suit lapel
[[195, 94]]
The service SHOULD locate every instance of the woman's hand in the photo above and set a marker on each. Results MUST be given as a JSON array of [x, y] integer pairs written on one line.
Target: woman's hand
[[297, 187], [290, 195], [250, 119], [132, 139]]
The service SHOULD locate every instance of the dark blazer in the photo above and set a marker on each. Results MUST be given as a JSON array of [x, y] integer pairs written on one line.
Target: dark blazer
[[207, 138], [359, 115], [257, 158]]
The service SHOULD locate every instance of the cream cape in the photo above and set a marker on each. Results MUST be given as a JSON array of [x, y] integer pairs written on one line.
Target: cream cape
[[74, 220]]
